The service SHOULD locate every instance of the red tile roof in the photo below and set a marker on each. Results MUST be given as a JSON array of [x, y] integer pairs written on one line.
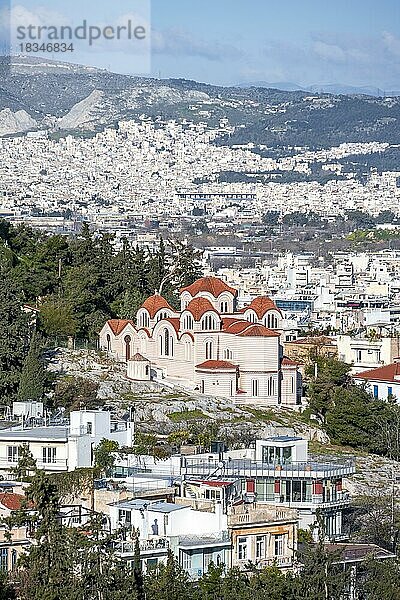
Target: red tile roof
[[385, 373], [261, 305], [174, 322], [217, 365], [258, 331], [246, 328], [213, 285], [11, 501], [118, 325], [139, 358], [154, 303], [199, 306], [287, 362]]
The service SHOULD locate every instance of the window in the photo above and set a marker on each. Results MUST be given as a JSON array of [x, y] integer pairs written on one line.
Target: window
[[260, 546], [166, 343], [127, 340], [228, 354], [202, 386], [212, 494], [224, 307], [144, 320], [4, 559], [188, 350], [208, 323], [376, 391], [254, 387], [209, 350], [208, 559], [358, 355], [279, 545], [186, 560], [108, 342], [242, 548], [124, 516], [270, 386], [49, 454], [90, 428], [188, 322], [390, 391], [12, 453], [291, 385]]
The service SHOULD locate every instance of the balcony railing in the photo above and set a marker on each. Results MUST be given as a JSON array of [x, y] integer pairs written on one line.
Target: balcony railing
[[58, 464], [152, 545], [253, 468]]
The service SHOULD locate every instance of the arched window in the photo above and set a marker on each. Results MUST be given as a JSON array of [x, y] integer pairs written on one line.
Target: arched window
[[188, 322], [144, 320], [208, 323], [224, 307], [108, 342], [254, 387], [209, 350], [188, 350], [228, 354], [166, 343], [127, 340]]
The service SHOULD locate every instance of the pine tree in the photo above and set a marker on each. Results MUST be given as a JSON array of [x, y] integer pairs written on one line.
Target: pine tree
[[14, 337], [33, 377]]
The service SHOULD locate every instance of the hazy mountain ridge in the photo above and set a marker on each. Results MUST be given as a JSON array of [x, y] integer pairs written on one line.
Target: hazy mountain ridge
[[71, 97]]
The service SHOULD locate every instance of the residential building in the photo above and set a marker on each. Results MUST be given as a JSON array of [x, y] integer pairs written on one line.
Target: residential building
[[383, 382], [63, 447]]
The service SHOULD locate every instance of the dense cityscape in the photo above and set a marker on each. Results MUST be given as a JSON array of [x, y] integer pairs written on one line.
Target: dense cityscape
[[200, 321]]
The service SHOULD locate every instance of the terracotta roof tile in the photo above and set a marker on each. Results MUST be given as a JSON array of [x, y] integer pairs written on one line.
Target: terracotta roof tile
[[154, 303], [261, 305], [139, 358], [287, 362], [174, 322], [258, 331], [198, 306], [385, 373], [11, 501], [216, 365], [213, 285], [118, 325]]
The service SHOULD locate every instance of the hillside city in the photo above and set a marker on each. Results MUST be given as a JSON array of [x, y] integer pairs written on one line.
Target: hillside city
[[199, 343]]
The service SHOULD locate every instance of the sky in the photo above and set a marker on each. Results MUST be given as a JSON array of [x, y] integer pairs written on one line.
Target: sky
[[351, 42]]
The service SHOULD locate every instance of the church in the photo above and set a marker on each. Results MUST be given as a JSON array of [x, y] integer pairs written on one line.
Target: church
[[209, 346]]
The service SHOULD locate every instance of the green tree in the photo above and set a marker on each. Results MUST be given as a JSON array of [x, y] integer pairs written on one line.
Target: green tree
[[168, 582], [26, 466], [57, 317], [104, 455], [33, 379], [14, 337]]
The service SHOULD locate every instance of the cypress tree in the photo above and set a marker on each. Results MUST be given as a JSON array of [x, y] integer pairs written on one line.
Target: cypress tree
[[14, 336], [33, 377]]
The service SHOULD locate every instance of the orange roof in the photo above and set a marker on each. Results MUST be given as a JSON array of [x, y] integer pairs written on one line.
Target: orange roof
[[199, 306], [385, 373], [236, 326], [118, 325], [216, 365], [11, 501], [261, 305], [139, 358], [154, 303], [258, 331], [174, 322], [286, 362], [213, 285]]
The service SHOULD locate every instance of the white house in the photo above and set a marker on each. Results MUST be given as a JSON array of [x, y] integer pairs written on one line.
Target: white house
[[67, 447], [208, 345], [383, 382]]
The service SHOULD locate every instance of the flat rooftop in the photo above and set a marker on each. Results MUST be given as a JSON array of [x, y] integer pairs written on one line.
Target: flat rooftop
[[141, 503], [34, 433]]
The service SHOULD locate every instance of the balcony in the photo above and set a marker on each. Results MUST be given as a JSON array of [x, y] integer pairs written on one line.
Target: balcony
[[59, 464], [281, 562], [150, 546]]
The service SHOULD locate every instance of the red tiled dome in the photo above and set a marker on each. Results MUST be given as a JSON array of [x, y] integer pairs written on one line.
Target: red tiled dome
[[198, 306], [154, 303], [261, 305], [212, 285]]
